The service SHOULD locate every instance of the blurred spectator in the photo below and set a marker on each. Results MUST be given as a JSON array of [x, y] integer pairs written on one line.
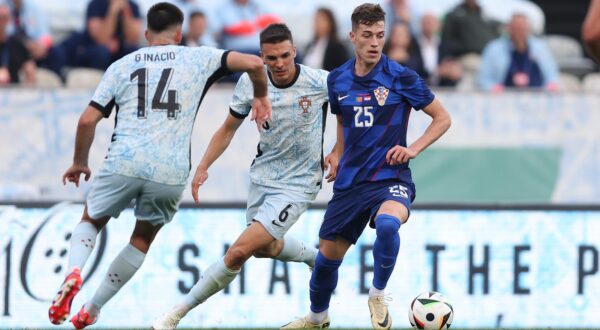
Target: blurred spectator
[[467, 30], [30, 26], [401, 48], [196, 32], [113, 30], [14, 57], [398, 11], [240, 23], [590, 32], [439, 69], [325, 51], [517, 60]]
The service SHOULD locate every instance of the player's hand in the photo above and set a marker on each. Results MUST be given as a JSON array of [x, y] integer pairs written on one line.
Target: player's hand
[[331, 164], [199, 179], [74, 172], [399, 155], [261, 111]]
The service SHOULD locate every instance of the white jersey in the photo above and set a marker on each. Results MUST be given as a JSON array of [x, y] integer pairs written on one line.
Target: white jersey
[[157, 92], [290, 150]]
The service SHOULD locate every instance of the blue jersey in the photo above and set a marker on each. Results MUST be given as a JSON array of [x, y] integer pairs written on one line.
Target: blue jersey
[[156, 92], [375, 111]]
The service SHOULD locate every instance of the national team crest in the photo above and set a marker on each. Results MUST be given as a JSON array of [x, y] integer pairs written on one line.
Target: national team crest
[[304, 103], [381, 94]]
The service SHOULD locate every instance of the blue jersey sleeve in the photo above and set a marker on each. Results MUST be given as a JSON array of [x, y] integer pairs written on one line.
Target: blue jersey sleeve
[[333, 102], [104, 96], [410, 85]]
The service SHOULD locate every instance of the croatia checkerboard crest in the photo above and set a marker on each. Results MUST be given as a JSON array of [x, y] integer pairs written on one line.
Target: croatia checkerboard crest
[[381, 94]]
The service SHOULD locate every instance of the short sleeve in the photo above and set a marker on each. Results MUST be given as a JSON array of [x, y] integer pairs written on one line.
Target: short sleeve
[[333, 104], [414, 89], [104, 96], [212, 60], [241, 102]]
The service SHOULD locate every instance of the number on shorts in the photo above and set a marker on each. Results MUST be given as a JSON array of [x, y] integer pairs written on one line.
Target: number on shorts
[[399, 191], [283, 215]]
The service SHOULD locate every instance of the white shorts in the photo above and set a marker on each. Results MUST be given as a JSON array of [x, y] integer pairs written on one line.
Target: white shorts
[[112, 193], [275, 208]]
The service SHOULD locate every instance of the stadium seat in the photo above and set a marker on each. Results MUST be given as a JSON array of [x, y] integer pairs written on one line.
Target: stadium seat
[[568, 53], [83, 78], [569, 82], [47, 79], [591, 83]]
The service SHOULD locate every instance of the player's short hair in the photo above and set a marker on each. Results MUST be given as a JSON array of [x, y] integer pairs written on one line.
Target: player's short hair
[[163, 16], [367, 14], [275, 33]]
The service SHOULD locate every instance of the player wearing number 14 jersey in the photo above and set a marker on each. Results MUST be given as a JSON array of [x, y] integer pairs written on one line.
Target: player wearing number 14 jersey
[[156, 92], [372, 97]]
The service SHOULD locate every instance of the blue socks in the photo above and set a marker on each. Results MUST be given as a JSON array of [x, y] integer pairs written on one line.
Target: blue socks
[[322, 282], [385, 249]]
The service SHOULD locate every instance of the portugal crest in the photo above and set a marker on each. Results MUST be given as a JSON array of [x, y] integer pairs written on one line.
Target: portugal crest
[[381, 94], [304, 103]]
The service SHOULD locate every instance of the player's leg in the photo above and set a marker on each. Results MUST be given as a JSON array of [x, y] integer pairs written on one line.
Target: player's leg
[[394, 210], [278, 212], [120, 271], [83, 241], [156, 204], [218, 275], [343, 224]]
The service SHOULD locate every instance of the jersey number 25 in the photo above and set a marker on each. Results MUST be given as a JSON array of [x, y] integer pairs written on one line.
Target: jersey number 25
[[363, 116]]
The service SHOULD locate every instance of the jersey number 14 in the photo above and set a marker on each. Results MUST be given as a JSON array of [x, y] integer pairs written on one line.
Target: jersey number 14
[[171, 106]]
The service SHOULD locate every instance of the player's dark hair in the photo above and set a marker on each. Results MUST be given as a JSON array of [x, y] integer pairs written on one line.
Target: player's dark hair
[[163, 16], [367, 14], [275, 33]]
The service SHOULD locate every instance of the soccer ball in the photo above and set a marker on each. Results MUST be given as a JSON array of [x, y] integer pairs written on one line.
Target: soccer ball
[[430, 311]]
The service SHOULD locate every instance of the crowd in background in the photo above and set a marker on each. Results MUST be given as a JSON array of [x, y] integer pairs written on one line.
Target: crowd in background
[[446, 50]]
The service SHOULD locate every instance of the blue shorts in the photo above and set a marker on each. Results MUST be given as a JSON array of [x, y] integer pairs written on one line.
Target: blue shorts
[[349, 211]]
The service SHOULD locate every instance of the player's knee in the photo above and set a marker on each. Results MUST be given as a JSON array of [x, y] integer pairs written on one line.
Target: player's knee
[[386, 226], [238, 255]]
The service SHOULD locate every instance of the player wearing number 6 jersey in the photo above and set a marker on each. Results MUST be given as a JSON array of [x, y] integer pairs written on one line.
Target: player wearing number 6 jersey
[[157, 92], [372, 97], [285, 175]]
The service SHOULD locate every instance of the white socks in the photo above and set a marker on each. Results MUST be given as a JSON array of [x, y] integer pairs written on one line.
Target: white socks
[[295, 250], [317, 318], [373, 292], [83, 240], [216, 277], [120, 271]]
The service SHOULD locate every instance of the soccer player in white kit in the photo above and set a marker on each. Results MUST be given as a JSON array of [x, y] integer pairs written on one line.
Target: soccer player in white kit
[[286, 174], [157, 91]]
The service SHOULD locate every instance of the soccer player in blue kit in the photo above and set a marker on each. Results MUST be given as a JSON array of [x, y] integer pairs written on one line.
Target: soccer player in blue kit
[[372, 97]]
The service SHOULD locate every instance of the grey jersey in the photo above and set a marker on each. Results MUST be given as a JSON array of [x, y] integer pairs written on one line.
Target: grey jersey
[[290, 150], [157, 91]]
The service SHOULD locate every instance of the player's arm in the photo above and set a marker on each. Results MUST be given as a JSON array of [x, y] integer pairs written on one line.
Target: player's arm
[[254, 66], [86, 129], [219, 142], [590, 32], [439, 125], [333, 159]]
